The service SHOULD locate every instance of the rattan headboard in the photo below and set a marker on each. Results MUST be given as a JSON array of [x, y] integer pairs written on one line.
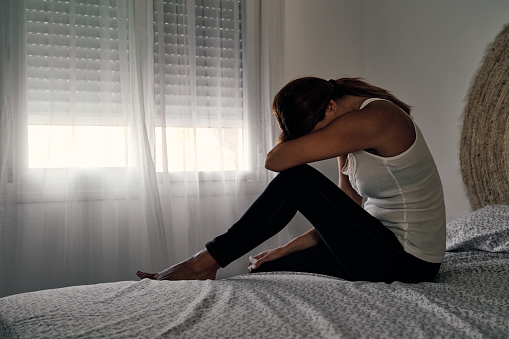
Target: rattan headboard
[[484, 150]]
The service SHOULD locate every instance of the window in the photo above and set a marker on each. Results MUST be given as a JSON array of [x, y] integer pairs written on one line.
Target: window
[[78, 65], [74, 107], [198, 85]]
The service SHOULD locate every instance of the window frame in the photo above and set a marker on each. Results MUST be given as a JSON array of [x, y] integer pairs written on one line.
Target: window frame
[[249, 125]]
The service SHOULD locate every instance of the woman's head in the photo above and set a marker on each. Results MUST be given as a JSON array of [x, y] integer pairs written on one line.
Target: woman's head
[[302, 103]]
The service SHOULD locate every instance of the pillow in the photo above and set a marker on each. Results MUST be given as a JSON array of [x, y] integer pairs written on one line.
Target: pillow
[[486, 229]]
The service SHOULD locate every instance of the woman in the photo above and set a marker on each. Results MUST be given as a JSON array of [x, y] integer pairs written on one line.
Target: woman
[[398, 234]]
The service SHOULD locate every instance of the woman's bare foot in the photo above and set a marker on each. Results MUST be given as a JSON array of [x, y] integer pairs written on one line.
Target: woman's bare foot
[[201, 266]]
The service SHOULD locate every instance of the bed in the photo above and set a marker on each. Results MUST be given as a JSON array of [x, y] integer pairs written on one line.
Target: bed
[[469, 299]]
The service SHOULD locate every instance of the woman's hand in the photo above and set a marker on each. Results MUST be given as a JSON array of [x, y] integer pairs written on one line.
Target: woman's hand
[[265, 256], [306, 240]]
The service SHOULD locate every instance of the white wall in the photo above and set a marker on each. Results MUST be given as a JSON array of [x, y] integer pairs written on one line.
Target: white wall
[[323, 38], [425, 52]]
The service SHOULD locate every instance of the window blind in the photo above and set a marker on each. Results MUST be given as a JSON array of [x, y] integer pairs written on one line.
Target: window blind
[[198, 62], [73, 60], [78, 67]]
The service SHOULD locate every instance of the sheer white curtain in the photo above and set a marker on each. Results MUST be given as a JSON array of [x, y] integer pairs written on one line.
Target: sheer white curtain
[[132, 132]]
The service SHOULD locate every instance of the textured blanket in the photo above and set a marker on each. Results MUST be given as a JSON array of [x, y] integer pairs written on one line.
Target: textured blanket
[[469, 300]]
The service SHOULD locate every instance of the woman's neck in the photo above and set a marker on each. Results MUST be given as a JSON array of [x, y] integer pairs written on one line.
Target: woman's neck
[[350, 103]]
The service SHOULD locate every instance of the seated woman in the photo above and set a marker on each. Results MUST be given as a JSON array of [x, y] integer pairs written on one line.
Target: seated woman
[[398, 234]]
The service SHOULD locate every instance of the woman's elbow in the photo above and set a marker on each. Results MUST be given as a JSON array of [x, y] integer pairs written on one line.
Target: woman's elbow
[[271, 164], [273, 169]]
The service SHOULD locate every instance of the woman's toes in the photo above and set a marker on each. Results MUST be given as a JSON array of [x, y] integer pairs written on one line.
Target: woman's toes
[[143, 275]]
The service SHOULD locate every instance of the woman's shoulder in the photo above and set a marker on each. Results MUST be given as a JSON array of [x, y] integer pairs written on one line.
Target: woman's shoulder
[[398, 129]]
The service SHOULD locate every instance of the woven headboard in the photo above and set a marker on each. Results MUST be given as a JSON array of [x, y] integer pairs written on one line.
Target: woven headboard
[[484, 150]]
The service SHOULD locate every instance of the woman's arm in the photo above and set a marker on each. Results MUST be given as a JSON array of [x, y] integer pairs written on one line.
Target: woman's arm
[[350, 132], [380, 126], [306, 240]]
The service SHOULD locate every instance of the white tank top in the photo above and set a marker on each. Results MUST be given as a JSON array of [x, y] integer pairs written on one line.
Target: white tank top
[[405, 193]]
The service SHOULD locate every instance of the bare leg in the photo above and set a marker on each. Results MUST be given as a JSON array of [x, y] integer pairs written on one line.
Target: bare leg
[[201, 266]]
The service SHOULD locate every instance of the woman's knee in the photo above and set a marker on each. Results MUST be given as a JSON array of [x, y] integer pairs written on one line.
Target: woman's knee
[[300, 172]]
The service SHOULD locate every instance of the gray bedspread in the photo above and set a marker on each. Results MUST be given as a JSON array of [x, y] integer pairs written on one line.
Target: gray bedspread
[[470, 299]]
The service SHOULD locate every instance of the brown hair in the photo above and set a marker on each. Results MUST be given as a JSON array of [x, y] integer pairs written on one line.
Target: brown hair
[[301, 103]]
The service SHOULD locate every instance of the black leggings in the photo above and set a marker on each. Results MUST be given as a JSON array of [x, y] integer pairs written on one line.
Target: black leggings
[[355, 246]]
